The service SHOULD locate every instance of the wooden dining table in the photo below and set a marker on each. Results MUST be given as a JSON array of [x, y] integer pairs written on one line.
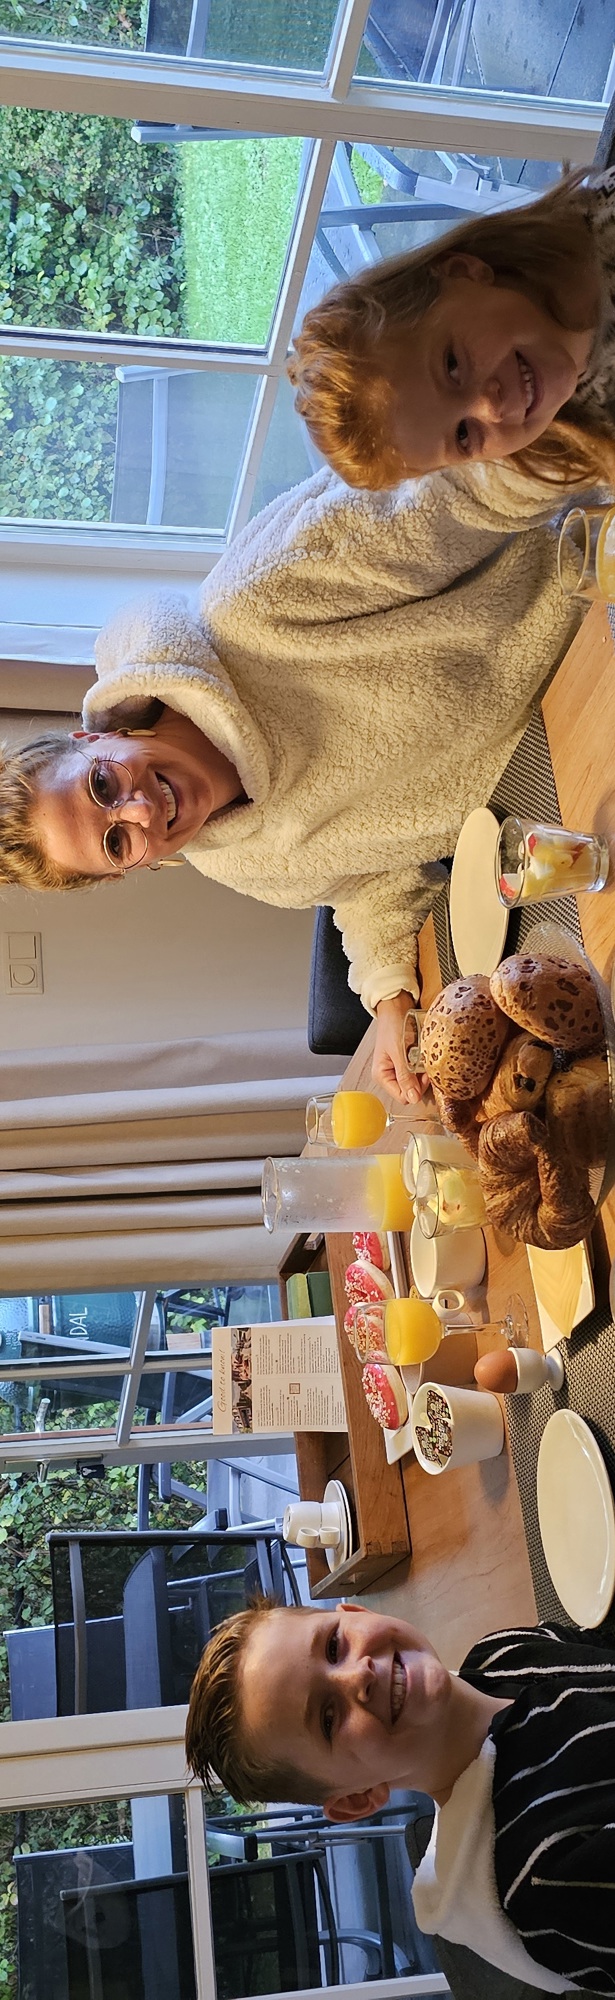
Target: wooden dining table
[[456, 1543]]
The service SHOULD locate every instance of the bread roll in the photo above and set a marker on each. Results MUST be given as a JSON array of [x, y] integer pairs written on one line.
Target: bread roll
[[518, 1082], [462, 1036], [577, 1108], [552, 999]]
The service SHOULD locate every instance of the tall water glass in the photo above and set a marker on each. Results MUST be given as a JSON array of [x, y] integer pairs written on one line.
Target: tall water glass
[[343, 1191]]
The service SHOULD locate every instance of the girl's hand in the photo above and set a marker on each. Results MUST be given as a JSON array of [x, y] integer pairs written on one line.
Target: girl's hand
[[389, 1068]]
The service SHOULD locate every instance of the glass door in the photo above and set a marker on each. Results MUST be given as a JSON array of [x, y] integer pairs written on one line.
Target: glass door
[[120, 1378], [181, 180], [117, 1883]]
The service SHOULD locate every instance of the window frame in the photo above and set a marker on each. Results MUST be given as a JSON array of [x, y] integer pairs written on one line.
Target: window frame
[[324, 108]]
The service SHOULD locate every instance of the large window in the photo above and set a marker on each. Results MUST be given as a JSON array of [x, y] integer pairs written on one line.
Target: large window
[[180, 179], [116, 1377]]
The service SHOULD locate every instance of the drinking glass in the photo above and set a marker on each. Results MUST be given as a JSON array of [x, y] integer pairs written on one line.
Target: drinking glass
[[586, 553], [343, 1191], [534, 862], [515, 1325], [443, 1146], [350, 1119], [404, 1331], [448, 1198]]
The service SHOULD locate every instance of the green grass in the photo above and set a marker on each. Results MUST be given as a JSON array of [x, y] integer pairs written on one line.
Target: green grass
[[237, 199], [370, 185]]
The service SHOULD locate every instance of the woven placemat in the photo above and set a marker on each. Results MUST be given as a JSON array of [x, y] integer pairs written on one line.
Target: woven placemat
[[527, 786]]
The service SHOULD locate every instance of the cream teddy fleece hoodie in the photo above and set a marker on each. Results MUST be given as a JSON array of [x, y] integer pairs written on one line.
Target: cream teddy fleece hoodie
[[367, 661]]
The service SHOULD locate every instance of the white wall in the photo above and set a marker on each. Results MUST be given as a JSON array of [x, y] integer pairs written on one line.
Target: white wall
[[158, 958]]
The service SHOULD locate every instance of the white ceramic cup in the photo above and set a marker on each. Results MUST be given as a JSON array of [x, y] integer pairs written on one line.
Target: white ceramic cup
[[477, 1425], [313, 1524], [454, 1260], [440, 1146]]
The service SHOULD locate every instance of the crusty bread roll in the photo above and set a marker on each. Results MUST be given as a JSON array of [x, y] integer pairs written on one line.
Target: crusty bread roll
[[552, 999], [519, 1081], [462, 1036], [577, 1108]]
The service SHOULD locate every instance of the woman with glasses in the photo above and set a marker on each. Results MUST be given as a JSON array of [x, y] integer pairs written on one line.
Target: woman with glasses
[[350, 681]]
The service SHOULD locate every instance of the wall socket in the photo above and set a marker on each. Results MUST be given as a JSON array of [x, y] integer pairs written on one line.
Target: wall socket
[[22, 958]]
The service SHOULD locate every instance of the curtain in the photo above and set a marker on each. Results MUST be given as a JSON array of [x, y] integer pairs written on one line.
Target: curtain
[[140, 1164]]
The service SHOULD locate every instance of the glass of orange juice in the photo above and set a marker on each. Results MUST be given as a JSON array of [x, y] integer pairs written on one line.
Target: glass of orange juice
[[350, 1119], [586, 553], [448, 1198], [534, 862], [404, 1331]]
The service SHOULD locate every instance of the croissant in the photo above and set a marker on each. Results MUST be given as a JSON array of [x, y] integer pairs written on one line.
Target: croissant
[[530, 1189], [459, 1115], [508, 1168], [519, 1080], [566, 1210], [577, 1108]]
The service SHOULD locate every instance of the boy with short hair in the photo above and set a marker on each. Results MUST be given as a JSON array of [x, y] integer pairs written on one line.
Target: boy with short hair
[[517, 1750]]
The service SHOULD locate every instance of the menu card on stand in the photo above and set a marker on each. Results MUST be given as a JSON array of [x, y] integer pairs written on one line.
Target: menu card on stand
[[283, 1376]]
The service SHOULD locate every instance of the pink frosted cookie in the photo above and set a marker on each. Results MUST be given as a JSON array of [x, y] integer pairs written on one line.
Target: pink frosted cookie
[[366, 1285], [385, 1394], [371, 1247]]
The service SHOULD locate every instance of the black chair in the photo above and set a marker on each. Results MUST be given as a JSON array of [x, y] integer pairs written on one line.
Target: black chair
[[41, 1880], [369, 1872], [132, 1612], [336, 1018], [273, 1930]]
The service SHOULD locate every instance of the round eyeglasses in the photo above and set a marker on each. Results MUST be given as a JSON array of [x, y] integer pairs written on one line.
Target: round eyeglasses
[[110, 786]]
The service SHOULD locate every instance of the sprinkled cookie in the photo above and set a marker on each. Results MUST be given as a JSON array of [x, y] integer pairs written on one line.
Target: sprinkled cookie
[[385, 1394]]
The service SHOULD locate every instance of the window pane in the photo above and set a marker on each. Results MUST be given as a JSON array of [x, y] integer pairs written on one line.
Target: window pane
[[379, 202], [312, 1904], [268, 32], [83, 442], [564, 50], [158, 240], [73, 1404], [288, 454], [78, 1913]]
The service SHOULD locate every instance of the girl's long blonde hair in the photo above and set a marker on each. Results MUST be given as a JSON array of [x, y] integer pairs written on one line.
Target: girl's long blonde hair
[[544, 250]]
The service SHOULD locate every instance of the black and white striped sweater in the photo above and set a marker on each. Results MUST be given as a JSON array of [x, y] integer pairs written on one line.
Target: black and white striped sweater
[[554, 1794]]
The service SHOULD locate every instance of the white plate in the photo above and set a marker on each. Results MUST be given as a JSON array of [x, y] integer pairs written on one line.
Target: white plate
[[577, 1517], [335, 1557], [479, 921]]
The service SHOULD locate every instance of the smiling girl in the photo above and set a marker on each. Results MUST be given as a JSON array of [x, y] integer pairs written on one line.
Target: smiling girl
[[498, 342]]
